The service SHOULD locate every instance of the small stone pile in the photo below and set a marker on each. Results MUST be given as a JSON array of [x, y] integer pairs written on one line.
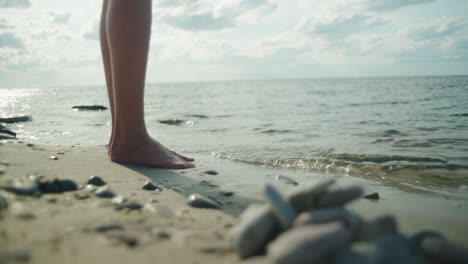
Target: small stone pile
[[312, 225]]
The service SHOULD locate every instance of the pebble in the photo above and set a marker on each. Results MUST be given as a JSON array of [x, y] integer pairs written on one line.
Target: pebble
[[104, 192], [339, 214], [119, 200], [81, 196], [258, 226], [211, 172], [57, 185], [198, 201], [304, 198], [226, 193], [372, 196], [53, 158], [96, 181], [286, 179], [3, 202], [25, 187], [150, 186], [61, 152], [281, 209], [108, 227], [294, 246], [129, 206], [339, 196]]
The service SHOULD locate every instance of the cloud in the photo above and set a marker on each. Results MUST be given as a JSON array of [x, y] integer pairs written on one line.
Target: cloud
[[15, 3], [60, 17], [388, 5], [337, 25], [91, 30], [203, 15], [436, 29], [5, 25], [10, 40]]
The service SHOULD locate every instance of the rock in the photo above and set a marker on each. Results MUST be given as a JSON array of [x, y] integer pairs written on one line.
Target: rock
[[339, 214], [211, 172], [304, 198], [15, 119], [61, 152], [57, 186], [3, 202], [129, 206], [339, 196], [119, 200], [286, 180], [89, 107], [226, 193], [309, 244], [96, 181], [372, 230], [2, 171], [281, 209], [27, 187], [393, 248], [372, 196], [439, 250], [7, 131], [81, 196], [416, 239], [258, 226], [150, 186], [108, 227], [53, 157], [172, 122], [198, 201], [104, 192]]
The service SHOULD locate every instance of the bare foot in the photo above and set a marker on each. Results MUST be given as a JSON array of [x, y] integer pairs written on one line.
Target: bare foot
[[148, 152]]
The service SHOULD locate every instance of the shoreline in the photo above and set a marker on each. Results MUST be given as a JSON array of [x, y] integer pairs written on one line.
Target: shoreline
[[173, 232]]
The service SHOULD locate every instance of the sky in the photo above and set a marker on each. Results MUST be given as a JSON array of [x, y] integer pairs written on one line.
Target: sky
[[55, 42]]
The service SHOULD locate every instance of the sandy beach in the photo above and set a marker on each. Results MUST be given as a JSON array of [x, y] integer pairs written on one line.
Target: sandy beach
[[79, 227]]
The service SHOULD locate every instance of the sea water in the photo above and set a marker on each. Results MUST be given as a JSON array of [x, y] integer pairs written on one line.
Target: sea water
[[405, 129]]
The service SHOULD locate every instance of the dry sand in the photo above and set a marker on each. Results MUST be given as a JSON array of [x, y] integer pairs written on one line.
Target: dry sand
[[61, 228]]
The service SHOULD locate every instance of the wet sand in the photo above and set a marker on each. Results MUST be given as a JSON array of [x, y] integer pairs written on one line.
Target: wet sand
[[63, 228]]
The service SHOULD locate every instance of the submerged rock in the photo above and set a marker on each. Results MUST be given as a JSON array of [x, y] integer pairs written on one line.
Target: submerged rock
[[309, 244], [150, 186], [175, 122], [286, 179], [15, 119], [372, 196], [89, 107], [258, 226], [198, 201], [104, 192], [96, 181], [281, 209]]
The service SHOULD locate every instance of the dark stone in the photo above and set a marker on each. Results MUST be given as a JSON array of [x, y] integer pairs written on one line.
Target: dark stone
[[129, 206], [7, 131], [104, 192], [372, 196], [198, 201], [149, 186], [15, 119], [96, 181], [57, 186], [227, 193], [211, 172], [175, 122], [108, 227], [89, 107]]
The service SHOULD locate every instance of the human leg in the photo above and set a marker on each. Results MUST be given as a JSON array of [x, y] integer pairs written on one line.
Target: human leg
[[128, 28]]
